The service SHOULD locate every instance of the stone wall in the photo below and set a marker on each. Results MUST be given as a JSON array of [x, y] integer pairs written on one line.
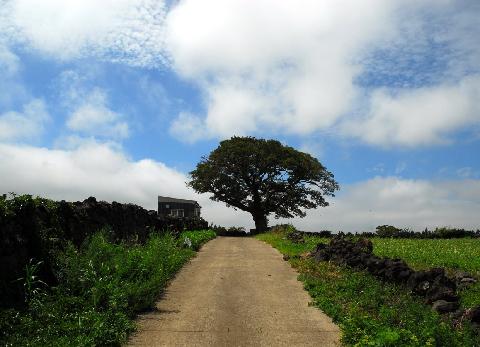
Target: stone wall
[[433, 285], [38, 228]]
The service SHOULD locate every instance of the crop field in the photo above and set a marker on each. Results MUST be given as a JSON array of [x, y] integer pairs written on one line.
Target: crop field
[[461, 254], [453, 254]]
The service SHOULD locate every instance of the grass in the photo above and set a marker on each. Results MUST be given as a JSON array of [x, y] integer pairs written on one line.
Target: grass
[[195, 239], [453, 254], [461, 254], [369, 312], [102, 286]]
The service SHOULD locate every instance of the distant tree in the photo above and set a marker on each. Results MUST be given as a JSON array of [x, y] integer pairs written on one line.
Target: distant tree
[[387, 231], [263, 177]]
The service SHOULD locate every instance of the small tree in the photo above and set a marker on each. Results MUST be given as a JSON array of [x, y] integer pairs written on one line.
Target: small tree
[[387, 231], [263, 177]]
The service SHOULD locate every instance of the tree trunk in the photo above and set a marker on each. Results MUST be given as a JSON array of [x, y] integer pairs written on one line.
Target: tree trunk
[[261, 222]]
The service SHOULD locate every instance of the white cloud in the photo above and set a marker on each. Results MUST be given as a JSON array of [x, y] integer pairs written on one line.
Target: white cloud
[[12, 90], [270, 67], [103, 171], [401, 166], [313, 147], [26, 125], [88, 108], [93, 117], [279, 67], [401, 202], [266, 64], [419, 116], [119, 30], [9, 62], [107, 173], [466, 172], [189, 128]]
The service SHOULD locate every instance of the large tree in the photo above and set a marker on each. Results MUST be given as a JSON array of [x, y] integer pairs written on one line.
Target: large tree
[[263, 177]]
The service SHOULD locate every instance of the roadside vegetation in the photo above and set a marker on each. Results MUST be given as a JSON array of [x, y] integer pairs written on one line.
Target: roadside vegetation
[[101, 286], [195, 239], [369, 311]]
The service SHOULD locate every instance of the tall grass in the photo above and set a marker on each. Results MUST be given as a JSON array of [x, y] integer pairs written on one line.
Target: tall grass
[[101, 287], [195, 239]]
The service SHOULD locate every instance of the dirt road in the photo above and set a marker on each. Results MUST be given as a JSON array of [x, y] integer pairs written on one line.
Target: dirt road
[[236, 292]]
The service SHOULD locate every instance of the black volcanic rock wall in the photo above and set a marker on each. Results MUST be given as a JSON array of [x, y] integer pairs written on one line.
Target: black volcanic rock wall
[[433, 285], [35, 228]]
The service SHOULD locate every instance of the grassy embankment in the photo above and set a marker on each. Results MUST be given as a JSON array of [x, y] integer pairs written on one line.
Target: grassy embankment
[[374, 313], [102, 286]]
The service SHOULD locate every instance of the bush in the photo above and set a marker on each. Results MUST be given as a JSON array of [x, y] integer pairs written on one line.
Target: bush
[[387, 231], [283, 228], [438, 233], [449, 233], [231, 231], [324, 233]]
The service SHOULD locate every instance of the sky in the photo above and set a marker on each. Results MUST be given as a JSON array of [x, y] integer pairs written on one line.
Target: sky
[[120, 99]]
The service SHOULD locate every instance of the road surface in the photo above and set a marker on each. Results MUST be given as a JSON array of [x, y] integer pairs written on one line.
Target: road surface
[[236, 292]]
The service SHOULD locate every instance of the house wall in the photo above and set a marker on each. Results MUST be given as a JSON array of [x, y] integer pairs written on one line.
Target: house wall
[[188, 209]]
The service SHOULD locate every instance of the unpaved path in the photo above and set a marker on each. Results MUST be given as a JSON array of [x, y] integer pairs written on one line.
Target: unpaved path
[[236, 292]]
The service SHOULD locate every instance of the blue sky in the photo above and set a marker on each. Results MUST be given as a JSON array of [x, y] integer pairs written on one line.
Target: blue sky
[[121, 99]]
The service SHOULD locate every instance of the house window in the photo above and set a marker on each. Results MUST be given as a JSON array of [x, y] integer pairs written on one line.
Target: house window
[[176, 213], [167, 206], [196, 212]]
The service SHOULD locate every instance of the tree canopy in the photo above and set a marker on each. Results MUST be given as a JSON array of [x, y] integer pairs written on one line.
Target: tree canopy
[[263, 177]]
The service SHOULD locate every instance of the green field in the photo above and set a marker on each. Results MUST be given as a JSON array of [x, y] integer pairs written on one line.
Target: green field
[[453, 254], [371, 312], [462, 254]]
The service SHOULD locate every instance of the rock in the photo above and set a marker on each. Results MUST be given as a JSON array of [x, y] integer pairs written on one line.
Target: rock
[[286, 257], [296, 237], [442, 306], [438, 292], [457, 315], [474, 315], [36, 228], [433, 284], [319, 247], [364, 245], [321, 256], [469, 280], [464, 277], [465, 281]]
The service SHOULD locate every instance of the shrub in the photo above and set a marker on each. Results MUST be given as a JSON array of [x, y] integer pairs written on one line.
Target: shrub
[[438, 233], [324, 233], [387, 231], [231, 231], [283, 228]]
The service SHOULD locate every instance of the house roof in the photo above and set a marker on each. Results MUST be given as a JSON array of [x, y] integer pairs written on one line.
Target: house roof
[[168, 199]]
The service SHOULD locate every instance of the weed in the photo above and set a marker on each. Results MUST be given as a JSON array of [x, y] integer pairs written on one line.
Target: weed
[[195, 239]]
